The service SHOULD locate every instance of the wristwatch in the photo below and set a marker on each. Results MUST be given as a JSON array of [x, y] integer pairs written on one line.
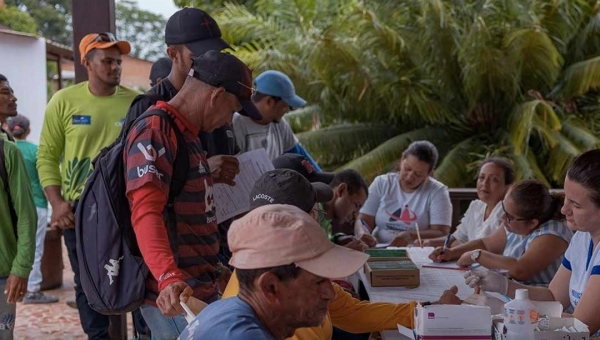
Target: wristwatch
[[475, 255]]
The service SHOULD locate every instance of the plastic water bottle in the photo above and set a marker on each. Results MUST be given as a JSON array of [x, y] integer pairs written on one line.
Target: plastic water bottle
[[520, 317]]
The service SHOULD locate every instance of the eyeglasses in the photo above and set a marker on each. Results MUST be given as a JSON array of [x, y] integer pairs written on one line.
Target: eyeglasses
[[105, 37], [510, 219], [320, 214]]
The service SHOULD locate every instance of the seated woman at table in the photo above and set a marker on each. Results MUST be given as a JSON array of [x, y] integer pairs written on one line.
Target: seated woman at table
[[482, 218], [532, 243], [400, 202], [577, 283]]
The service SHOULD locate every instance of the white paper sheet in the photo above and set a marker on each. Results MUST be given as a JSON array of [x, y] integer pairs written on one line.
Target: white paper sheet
[[232, 201]]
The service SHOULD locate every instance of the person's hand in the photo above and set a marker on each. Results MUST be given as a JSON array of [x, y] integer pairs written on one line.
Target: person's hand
[[169, 298], [15, 288], [357, 245], [437, 256], [465, 259], [369, 240], [62, 215], [402, 239], [343, 240], [425, 243], [449, 297], [224, 169], [489, 281], [495, 304], [223, 278]]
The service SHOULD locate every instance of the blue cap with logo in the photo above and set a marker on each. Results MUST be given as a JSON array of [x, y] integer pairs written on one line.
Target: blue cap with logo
[[278, 84]]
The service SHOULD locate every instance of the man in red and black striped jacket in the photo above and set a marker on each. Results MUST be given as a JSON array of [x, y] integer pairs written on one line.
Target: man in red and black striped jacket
[[217, 86]]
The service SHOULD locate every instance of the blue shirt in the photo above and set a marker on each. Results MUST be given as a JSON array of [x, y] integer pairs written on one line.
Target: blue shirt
[[227, 319], [516, 246]]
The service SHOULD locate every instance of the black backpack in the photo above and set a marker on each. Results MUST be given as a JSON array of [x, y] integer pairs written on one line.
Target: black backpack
[[4, 178], [113, 272]]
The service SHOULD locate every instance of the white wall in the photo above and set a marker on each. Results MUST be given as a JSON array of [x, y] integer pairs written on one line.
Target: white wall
[[23, 62]]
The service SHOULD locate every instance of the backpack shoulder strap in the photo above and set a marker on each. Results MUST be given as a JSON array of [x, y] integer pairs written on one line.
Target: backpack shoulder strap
[[133, 110], [181, 161], [181, 165], [4, 178]]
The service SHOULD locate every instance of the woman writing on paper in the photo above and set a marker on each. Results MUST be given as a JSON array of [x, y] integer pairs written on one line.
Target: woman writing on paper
[[531, 244], [400, 202], [577, 283], [484, 215]]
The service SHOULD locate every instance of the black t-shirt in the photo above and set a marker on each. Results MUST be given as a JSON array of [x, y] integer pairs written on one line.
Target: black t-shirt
[[219, 142]]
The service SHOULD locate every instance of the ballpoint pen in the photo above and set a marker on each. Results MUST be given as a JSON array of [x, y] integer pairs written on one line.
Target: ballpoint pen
[[446, 243]]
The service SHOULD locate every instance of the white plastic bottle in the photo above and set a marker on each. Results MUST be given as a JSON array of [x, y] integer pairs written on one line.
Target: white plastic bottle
[[520, 317]]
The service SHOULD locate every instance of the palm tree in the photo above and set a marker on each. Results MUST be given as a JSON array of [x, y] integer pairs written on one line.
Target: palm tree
[[477, 78]]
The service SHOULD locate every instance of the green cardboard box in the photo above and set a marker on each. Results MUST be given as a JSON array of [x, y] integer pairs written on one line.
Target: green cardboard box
[[391, 254], [393, 273]]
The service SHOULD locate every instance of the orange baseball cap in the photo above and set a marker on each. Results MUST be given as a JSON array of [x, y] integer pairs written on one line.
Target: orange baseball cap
[[102, 41]]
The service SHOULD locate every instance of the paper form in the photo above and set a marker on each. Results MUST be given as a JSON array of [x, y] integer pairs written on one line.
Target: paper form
[[232, 201]]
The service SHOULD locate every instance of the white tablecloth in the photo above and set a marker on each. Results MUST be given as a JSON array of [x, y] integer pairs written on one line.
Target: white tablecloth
[[433, 283]]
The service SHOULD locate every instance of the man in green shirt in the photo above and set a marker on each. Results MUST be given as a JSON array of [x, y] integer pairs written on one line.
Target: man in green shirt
[[18, 127], [79, 121], [17, 242]]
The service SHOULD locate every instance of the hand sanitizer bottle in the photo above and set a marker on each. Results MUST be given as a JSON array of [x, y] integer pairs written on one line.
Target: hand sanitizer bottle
[[520, 317]]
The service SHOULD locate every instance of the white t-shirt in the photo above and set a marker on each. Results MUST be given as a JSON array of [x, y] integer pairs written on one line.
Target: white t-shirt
[[275, 138], [473, 226], [582, 262], [396, 211]]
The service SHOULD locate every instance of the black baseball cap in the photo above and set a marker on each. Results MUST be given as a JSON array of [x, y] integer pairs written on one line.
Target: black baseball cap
[[224, 70], [285, 186], [303, 166], [160, 69], [195, 29]]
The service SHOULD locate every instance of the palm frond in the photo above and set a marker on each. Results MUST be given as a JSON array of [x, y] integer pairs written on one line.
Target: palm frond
[[340, 144], [381, 159], [580, 78], [304, 119], [561, 19], [239, 25], [526, 167], [453, 169], [538, 61], [488, 74], [578, 132], [560, 157], [535, 115]]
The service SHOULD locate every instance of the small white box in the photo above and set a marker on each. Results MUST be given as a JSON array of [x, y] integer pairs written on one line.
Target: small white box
[[582, 333], [450, 322]]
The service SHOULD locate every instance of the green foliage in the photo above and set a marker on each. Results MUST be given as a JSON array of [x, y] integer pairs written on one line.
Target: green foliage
[[210, 5], [53, 17], [12, 18], [512, 78], [142, 29]]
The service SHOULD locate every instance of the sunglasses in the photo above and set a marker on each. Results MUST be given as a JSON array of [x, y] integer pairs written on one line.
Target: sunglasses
[[510, 219], [252, 89], [105, 37]]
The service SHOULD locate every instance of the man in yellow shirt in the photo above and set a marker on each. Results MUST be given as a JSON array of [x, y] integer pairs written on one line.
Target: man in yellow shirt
[[284, 186], [79, 121]]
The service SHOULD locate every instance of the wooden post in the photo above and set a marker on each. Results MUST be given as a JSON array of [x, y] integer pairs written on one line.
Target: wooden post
[[59, 64], [88, 17]]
